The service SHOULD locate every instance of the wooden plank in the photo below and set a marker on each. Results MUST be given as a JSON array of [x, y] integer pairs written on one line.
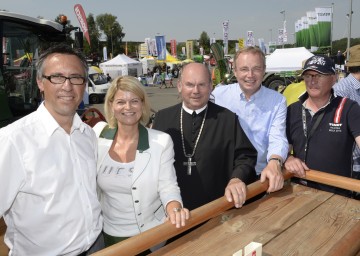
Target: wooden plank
[[260, 221], [318, 231], [4, 250], [167, 230]]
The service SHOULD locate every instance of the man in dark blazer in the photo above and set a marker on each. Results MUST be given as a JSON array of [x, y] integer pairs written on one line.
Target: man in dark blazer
[[213, 156]]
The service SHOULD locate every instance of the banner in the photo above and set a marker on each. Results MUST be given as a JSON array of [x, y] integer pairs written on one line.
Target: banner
[[225, 36], [312, 22], [147, 42], [152, 47], [298, 37], [305, 33], [250, 41], [262, 45], [161, 47], [143, 51], [80, 15], [173, 47], [280, 36], [189, 49], [324, 19], [285, 33], [241, 43], [105, 53]]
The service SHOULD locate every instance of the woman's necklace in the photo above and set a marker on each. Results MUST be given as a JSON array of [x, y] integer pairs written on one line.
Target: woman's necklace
[[189, 163]]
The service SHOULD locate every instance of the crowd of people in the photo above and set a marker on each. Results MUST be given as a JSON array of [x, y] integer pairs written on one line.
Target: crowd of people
[[69, 189]]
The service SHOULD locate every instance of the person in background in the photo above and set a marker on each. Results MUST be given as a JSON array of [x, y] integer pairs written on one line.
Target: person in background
[[293, 91], [136, 177], [108, 77], [48, 166], [213, 156], [350, 87], [261, 112], [322, 128]]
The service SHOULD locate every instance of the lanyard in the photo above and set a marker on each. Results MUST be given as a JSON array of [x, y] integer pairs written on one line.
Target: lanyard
[[313, 128]]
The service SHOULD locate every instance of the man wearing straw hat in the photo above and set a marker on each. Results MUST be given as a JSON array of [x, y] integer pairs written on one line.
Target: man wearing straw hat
[[321, 127], [350, 87]]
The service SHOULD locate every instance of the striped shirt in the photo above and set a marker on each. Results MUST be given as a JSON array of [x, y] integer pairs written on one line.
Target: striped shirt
[[350, 87]]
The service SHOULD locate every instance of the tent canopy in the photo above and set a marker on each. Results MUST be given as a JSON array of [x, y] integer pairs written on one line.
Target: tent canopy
[[287, 59], [122, 65], [170, 58]]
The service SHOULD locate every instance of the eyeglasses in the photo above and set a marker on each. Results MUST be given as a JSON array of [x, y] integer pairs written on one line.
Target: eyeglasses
[[256, 70], [316, 76], [58, 79]]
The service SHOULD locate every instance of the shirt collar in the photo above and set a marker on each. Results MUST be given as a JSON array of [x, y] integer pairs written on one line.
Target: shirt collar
[[143, 144], [252, 97], [51, 125], [190, 111], [303, 97]]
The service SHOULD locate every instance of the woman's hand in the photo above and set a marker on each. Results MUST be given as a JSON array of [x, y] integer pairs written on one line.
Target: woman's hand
[[177, 214]]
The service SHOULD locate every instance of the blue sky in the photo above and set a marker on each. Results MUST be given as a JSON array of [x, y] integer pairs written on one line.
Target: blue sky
[[187, 19]]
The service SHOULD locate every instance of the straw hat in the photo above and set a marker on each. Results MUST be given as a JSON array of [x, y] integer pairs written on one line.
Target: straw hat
[[354, 60]]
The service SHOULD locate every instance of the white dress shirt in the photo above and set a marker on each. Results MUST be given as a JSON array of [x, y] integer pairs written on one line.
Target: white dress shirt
[[48, 186]]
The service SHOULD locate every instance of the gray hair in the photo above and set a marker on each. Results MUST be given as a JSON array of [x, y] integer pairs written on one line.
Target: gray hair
[[61, 49]]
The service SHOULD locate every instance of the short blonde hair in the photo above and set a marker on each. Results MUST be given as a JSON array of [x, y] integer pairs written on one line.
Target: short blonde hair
[[127, 84], [250, 50]]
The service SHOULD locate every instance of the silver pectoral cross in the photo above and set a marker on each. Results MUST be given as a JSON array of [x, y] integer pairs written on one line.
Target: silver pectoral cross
[[189, 164]]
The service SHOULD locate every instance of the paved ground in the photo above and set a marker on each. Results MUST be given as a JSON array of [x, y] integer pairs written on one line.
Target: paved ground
[[159, 98]]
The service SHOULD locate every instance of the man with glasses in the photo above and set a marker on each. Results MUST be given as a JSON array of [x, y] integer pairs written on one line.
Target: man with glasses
[[48, 166], [322, 128], [261, 113]]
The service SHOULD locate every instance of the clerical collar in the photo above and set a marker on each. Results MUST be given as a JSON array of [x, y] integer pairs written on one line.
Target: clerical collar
[[189, 111]]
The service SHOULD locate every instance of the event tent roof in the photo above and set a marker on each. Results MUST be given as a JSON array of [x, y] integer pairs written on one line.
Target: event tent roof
[[287, 59]]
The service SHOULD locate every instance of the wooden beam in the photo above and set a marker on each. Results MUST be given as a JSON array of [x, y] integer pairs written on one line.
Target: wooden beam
[[154, 236], [333, 180]]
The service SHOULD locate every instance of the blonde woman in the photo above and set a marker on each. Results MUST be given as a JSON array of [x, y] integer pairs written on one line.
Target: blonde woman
[[136, 176]]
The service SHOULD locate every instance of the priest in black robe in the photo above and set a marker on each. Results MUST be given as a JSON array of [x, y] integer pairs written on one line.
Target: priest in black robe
[[223, 160]]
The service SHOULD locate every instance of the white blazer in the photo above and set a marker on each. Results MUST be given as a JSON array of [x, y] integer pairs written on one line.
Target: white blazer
[[154, 182]]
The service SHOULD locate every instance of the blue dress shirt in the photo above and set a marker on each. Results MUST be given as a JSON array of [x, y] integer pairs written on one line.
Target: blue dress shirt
[[262, 117]]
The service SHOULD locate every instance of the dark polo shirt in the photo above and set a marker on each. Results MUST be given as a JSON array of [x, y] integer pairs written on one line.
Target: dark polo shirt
[[330, 147]]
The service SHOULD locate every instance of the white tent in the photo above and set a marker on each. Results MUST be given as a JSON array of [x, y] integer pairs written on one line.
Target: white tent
[[148, 63], [287, 59], [122, 65]]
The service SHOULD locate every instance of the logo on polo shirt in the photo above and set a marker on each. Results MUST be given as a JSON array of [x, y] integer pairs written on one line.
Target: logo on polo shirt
[[333, 127]]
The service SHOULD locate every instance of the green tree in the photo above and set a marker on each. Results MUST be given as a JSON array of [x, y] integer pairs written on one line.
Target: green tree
[[94, 35], [113, 31], [204, 42]]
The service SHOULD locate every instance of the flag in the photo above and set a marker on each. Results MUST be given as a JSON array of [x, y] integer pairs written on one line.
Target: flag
[[161, 47], [189, 49], [312, 21], [105, 53], [250, 41], [225, 35], [324, 19], [80, 15], [285, 33], [173, 47]]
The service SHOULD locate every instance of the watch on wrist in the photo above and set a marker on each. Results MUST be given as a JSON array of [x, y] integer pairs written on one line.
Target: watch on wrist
[[276, 159]]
